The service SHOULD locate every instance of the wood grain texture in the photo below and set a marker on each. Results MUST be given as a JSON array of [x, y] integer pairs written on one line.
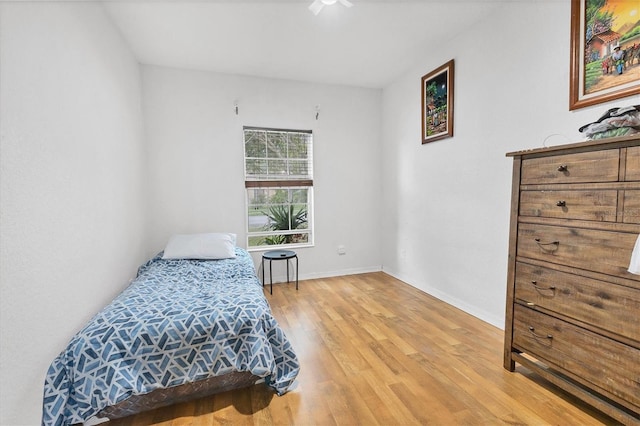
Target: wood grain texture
[[584, 205], [612, 368], [597, 166], [633, 163], [376, 351], [603, 305], [631, 206], [596, 250]]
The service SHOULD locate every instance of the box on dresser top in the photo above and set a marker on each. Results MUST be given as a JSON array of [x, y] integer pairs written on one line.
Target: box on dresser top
[[572, 313]]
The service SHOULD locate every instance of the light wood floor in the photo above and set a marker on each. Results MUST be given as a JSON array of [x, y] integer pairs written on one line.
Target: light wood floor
[[374, 350]]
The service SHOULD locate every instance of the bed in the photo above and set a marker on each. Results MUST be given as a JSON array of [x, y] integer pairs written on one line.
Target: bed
[[182, 329]]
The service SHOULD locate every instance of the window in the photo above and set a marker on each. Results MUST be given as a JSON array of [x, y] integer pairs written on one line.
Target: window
[[278, 170]]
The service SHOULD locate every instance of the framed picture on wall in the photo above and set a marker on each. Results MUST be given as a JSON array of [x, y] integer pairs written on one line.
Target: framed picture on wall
[[605, 51], [437, 103]]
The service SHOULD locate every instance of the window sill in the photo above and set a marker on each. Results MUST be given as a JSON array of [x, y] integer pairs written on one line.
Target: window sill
[[279, 247]]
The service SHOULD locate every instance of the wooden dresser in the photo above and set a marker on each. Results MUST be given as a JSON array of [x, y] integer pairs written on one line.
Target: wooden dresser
[[573, 310]]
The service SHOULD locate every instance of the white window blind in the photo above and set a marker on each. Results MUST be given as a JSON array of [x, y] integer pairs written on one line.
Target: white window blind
[[272, 154]]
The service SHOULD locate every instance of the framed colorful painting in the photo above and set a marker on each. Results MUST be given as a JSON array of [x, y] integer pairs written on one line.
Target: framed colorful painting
[[437, 103], [605, 51]]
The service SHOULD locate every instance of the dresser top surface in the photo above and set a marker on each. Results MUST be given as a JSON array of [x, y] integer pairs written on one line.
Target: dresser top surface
[[593, 145]]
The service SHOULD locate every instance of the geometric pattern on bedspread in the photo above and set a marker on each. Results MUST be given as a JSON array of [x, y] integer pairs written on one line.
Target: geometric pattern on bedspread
[[178, 322]]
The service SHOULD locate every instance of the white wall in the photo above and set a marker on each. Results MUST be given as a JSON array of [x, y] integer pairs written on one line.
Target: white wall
[[447, 203], [195, 154], [71, 170]]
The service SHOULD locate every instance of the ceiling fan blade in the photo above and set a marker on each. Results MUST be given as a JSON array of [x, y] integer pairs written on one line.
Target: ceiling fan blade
[[316, 6], [346, 3]]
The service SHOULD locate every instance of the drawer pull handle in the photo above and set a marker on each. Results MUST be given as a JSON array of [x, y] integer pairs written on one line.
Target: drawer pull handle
[[545, 246], [561, 203], [550, 288], [563, 168], [539, 336]]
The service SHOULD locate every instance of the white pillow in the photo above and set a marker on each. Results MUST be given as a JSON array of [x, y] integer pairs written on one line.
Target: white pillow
[[201, 246]]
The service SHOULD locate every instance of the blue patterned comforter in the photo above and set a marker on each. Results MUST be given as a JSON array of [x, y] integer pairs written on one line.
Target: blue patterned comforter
[[178, 322]]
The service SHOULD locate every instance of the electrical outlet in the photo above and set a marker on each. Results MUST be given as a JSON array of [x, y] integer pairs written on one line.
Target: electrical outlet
[[342, 250]]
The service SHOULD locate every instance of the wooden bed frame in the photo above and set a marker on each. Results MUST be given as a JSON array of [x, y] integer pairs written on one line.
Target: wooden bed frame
[[177, 394]]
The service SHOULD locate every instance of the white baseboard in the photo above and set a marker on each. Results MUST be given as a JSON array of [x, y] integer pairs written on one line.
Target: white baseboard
[[281, 278], [477, 312]]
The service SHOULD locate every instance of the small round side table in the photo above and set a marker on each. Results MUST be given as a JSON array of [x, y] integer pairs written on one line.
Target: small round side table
[[278, 255]]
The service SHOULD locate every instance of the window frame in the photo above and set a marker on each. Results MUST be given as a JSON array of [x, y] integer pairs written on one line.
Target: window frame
[[267, 181]]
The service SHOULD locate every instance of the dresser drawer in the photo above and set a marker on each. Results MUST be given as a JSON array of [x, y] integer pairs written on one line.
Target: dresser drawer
[[608, 365], [585, 205], [598, 166], [601, 251], [631, 206], [608, 306], [633, 163]]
